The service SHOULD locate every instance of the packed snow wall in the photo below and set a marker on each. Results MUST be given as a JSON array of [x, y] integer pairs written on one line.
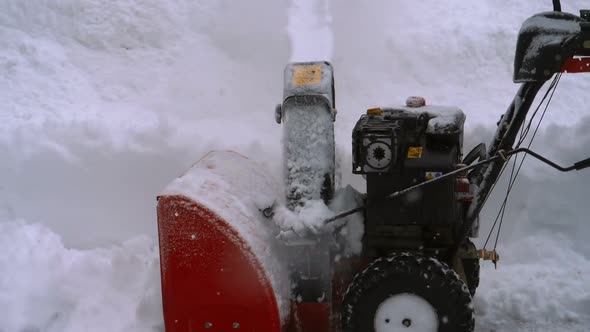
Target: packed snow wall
[[103, 103]]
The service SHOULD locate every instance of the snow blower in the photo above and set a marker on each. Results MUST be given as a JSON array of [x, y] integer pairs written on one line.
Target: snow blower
[[231, 261]]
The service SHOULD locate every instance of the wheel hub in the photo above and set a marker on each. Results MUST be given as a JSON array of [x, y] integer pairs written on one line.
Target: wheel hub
[[405, 313]]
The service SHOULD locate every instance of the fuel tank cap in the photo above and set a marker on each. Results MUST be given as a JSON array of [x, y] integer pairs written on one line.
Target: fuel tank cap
[[415, 101]]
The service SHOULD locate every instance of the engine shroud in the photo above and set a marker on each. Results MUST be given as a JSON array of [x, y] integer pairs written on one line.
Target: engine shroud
[[398, 148]]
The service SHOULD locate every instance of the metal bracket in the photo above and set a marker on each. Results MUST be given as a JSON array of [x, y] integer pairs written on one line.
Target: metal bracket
[[489, 255]]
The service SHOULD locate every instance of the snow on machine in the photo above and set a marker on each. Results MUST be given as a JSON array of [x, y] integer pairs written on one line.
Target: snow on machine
[[240, 252]]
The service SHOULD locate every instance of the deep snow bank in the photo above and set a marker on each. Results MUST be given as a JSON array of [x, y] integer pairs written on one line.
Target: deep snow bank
[[103, 103], [540, 285], [47, 287], [92, 92]]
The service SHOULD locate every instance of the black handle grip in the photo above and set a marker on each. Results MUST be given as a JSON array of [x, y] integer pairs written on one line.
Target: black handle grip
[[582, 164]]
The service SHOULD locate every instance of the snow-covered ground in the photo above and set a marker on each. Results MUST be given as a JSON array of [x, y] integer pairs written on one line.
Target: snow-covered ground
[[105, 102]]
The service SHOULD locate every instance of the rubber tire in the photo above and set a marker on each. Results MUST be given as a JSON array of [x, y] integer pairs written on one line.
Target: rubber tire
[[401, 273]]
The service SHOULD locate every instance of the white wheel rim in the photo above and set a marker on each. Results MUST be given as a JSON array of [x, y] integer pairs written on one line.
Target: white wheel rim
[[406, 313]]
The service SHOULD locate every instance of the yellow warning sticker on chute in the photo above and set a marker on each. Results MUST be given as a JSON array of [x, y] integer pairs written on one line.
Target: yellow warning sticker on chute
[[306, 75], [414, 152]]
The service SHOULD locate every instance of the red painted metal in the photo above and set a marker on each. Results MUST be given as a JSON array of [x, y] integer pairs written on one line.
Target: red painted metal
[[576, 65], [211, 280]]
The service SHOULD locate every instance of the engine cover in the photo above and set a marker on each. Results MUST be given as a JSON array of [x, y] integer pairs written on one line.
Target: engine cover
[[395, 148]]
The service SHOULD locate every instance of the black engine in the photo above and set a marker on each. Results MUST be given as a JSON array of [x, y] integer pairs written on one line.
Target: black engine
[[395, 148]]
